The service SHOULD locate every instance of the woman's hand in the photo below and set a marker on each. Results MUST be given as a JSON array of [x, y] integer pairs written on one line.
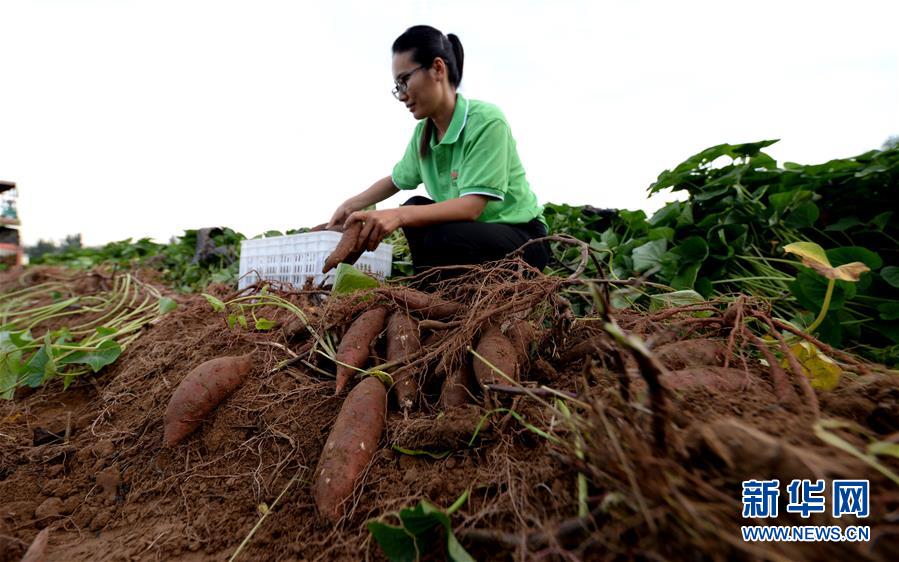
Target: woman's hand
[[376, 225], [341, 214]]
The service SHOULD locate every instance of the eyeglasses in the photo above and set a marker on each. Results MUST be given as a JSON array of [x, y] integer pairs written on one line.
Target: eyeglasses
[[402, 83]]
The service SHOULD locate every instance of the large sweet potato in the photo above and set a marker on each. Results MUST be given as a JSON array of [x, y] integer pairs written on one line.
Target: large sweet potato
[[354, 347], [350, 446], [200, 392], [348, 249], [496, 348], [403, 340]]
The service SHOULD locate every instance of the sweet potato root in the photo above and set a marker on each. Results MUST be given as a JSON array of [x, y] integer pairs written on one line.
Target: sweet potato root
[[354, 347], [350, 446], [348, 248], [428, 306], [403, 340], [496, 348], [454, 392], [200, 392]]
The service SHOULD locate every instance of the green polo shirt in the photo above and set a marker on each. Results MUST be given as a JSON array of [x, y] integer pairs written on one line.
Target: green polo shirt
[[477, 155]]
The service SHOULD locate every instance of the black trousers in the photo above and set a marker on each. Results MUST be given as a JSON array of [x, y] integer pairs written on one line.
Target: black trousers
[[472, 242]]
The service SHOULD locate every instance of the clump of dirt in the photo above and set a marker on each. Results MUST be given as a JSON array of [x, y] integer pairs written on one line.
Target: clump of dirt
[[588, 480]]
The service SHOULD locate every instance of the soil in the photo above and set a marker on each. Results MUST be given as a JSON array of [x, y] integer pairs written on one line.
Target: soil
[[88, 463]]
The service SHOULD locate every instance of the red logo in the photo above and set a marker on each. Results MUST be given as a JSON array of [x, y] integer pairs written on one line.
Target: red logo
[[454, 174]]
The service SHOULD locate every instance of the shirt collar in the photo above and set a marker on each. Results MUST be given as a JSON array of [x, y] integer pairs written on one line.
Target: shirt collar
[[457, 123]]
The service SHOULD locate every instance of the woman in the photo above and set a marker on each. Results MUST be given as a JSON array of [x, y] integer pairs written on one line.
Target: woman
[[481, 206]]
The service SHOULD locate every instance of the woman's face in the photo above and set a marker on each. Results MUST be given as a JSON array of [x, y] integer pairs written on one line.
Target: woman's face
[[422, 87]]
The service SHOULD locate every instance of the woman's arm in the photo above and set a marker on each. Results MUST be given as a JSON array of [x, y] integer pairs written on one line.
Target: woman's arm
[[465, 208], [379, 191], [378, 224]]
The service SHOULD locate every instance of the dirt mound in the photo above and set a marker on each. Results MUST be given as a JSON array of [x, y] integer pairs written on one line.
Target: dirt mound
[[88, 463]]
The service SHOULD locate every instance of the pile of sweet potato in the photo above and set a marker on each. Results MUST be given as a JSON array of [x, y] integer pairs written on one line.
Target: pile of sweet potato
[[501, 351], [361, 421]]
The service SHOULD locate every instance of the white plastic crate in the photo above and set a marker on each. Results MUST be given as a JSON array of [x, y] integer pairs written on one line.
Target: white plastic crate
[[295, 257]]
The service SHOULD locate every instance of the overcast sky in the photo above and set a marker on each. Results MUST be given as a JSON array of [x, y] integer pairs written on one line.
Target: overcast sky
[[128, 119]]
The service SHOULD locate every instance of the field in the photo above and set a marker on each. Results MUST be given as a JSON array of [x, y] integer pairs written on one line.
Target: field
[[633, 453]]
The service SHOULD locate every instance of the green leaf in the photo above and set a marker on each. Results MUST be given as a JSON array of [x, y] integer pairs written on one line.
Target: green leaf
[[349, 279], [676, 298], [242, 320], [848, 254], [263, 324], [609, 238], [809, 289], [104, 331], [418, 529], [105, 354], [9, 379], [692, 249], [11, 365], [686, 276], [635, 220], [661, 232], [703, 285], [232, 321], [40, 366], [217, 305], [881, 221], [844, 223], [889, 311], [167, 305], [890, 274], [649, 255], [624, 297], [18, 340], [666, 214], [803, 216], [889, 330]]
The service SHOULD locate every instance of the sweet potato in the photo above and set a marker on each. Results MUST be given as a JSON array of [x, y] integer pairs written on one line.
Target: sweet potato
[[350, 446], [691, 353], [37, 552], [348, 247], [454, 392], [424, 304], [496, 348], [402, 341], [200, 392], [522, 334], [718, 379], [354, 347]]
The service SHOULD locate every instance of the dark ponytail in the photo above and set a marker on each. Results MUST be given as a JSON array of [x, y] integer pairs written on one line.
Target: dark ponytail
[[459, 55], [427, 44]]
